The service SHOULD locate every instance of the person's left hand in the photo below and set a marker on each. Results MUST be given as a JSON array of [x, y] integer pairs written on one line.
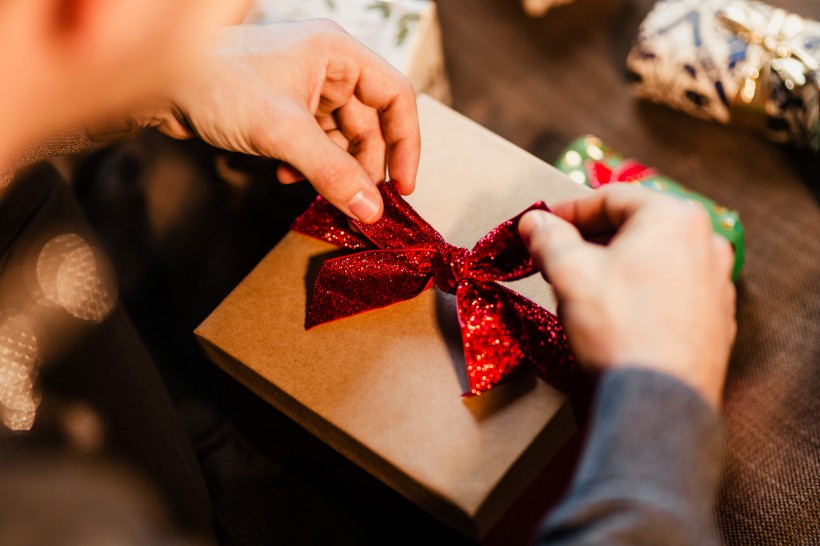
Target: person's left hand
[[307, 94]]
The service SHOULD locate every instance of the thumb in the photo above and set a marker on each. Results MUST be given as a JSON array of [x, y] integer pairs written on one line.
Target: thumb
[[335, 174], [557, 248]]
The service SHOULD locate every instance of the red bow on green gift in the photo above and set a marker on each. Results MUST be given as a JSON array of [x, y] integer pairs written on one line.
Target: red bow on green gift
[[601, 174], [402, 255]]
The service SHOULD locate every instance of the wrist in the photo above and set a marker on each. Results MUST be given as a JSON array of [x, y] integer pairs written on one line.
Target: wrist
[[697, 376], [161, 115]]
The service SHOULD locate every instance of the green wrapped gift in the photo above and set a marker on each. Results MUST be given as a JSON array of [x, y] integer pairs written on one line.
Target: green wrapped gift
[[590, 162]]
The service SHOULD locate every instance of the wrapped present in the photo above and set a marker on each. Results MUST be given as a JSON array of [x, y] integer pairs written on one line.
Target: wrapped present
[[537, 8], [733, 60], [405, 32], [384, 384], [590, 162]]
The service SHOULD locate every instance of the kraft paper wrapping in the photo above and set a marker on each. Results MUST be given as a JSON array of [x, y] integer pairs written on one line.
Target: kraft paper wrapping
[[463, 459]]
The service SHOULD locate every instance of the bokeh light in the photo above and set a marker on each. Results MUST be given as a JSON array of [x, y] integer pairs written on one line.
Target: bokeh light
[[19, 362], [77, 277]]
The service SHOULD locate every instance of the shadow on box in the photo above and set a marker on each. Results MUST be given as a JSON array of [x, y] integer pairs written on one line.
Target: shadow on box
[[447, 317]]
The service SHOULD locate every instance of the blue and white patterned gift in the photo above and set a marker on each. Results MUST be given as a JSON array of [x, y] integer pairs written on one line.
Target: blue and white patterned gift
[[732, 61]]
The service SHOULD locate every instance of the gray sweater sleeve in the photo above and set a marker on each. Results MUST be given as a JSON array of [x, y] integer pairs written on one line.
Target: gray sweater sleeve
[[649, 470]]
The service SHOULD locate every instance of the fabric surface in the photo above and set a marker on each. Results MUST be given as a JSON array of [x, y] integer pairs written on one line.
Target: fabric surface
[[99, 394], [649, 471], [542, 83]]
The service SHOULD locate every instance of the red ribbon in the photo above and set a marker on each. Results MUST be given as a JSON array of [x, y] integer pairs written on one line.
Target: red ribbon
[[402, 255]]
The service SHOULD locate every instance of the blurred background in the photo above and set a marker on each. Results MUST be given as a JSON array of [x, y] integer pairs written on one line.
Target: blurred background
[[182, 223]]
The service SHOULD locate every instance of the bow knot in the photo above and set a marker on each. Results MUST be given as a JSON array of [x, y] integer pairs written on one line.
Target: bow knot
[[451, 265]]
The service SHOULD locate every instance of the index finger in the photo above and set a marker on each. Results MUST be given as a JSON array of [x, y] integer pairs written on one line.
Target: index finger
[[607, 209], [384, 88]]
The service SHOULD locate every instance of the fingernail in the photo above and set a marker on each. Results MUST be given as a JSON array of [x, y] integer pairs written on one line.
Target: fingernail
[[364, 205], [531, 221]]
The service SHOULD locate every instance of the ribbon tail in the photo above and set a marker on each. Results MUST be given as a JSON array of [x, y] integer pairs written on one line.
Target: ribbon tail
[[549, 352], [490, 332], [365, 281]]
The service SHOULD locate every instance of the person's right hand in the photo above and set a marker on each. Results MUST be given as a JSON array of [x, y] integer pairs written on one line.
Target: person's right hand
[[659, 295], [306, 93]]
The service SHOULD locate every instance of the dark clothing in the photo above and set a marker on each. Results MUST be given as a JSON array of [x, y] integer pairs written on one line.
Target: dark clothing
[[649, 471], [101, 395]]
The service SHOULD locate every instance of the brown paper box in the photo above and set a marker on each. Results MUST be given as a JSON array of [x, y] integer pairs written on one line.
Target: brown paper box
[[384, 387]]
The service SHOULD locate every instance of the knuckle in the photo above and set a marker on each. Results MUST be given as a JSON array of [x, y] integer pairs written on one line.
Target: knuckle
[[696, 217], [334, 174], [629, 192], [365, 131], [406, 88], [327, 26], [688, 216], [621, 189]]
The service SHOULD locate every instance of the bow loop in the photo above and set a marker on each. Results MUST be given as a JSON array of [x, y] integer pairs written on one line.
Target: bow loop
[[501, 255], [400, 225], [369, 280]]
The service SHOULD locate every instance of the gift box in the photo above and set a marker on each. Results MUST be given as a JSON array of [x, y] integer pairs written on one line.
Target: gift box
[[588, 161], [732, 61], [385, 387], [537, 8], [405, 32]]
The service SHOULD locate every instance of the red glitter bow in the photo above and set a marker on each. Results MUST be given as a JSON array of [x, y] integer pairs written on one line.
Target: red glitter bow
[[402, 255]]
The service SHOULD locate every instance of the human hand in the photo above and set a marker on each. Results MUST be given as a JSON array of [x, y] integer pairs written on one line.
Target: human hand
[[659, 295], [308, 94]]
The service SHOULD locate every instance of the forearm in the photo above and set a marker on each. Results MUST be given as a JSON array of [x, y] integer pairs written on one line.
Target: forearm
[[649, 471]]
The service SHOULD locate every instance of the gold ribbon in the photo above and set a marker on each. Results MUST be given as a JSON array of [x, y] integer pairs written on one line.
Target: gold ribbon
[[771, 37]]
